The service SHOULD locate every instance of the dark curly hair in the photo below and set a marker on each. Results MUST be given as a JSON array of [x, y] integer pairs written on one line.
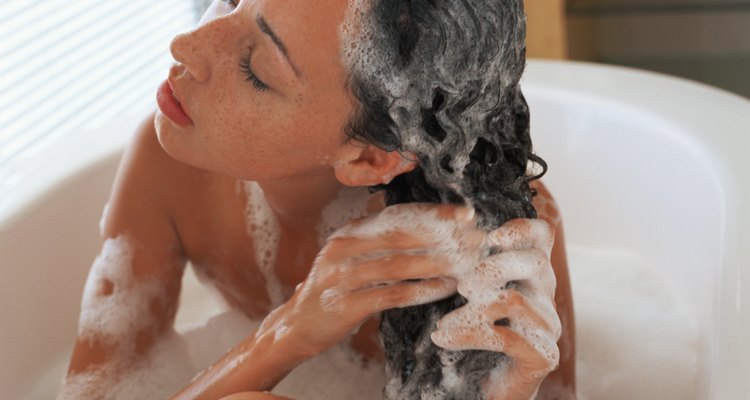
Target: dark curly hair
[[440, 79]]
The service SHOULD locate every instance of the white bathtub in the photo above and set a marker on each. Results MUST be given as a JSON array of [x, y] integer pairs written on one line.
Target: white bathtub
[[641, 163]]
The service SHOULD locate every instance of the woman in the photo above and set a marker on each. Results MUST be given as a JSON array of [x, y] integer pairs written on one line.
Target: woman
[[311, 101]]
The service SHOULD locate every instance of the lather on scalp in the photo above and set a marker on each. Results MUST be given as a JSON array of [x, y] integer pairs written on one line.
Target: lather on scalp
[[439, 78]]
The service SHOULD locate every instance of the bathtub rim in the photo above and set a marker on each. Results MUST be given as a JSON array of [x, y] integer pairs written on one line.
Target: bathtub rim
[[729, 369], [35, 176]]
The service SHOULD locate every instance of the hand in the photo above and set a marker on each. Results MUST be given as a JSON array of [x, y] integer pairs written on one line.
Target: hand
[[510, 310], [398, 258]]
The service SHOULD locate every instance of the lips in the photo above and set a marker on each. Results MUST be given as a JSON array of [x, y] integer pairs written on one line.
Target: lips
[[169, 105]]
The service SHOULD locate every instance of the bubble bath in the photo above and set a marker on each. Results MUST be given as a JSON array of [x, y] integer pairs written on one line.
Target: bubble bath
[[584, 115], [605, 318], [636, 340]]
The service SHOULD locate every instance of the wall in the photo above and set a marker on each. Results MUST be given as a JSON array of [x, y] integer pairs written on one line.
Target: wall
[[704, 40]]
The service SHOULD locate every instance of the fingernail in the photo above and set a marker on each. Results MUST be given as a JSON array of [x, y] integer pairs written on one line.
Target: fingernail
[[464, 213], [435, 337]]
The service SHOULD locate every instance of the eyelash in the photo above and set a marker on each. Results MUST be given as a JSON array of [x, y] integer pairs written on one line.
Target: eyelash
[[251, 77], [258, 85]]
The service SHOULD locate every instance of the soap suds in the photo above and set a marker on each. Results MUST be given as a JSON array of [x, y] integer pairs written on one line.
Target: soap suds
[[115, 303], [350, 203], [263, 228], [451, 96], [627, 316], [116, 307], [483, 278], [163, 371]]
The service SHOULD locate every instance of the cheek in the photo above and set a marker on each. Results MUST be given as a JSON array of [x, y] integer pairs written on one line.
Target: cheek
[[324, 120]]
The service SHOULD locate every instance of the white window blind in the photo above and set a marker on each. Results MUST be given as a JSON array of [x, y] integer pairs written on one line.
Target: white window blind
[[70, 64]]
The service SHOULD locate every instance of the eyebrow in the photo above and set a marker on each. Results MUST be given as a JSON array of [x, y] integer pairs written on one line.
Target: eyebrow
[[263, 25]]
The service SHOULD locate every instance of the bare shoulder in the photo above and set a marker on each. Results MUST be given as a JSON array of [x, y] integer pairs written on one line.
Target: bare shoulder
[[199, 214], [141, 203], [545, 204]]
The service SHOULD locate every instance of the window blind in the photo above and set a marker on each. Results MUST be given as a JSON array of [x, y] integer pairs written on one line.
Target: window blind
[[66, 65]]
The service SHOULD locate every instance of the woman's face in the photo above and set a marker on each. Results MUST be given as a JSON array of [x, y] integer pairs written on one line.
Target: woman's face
[[263, 89]]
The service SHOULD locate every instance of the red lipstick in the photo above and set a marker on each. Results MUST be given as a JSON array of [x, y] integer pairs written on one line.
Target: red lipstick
[[170, 107]]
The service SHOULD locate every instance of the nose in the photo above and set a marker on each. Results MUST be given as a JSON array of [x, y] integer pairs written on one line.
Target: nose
[[186, 49], [198, 50]]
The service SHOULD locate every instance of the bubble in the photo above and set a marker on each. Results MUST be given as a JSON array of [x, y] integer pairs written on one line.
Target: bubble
[[350, 203], [265, 232], [115, 303]]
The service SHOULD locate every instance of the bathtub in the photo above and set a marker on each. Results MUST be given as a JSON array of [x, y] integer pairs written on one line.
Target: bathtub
[[640, 163]]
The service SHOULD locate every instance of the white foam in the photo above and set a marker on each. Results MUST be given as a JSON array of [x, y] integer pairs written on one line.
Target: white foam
[[350, 203], [116, 307], [165, 369], [636, 340], [263, 228], [115, 303], [410, 88], [481, 280]]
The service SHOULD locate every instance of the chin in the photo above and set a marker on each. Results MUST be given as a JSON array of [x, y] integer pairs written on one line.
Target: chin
[[169, 139], [164, 133]]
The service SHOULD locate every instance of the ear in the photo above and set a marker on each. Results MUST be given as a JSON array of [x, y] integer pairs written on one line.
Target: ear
[[371, 165]]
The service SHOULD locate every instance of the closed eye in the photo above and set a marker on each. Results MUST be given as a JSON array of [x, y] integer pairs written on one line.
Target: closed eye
[[258, 85]]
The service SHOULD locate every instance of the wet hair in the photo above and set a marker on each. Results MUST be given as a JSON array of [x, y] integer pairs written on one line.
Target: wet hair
[[440, 79]]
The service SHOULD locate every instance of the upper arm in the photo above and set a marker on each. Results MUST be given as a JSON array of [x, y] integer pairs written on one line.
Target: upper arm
[[133, 288], [564, 376]]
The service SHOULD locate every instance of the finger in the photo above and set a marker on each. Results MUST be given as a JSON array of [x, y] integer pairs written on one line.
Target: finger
[[523, 233], [474, 326], [392, 268], [523, 314], [398, 227], [404, 294], [465, 329], [254, 396], [537, 354], [531, 353], [443, 211], [341, 248], [538, 325], [530, 270]]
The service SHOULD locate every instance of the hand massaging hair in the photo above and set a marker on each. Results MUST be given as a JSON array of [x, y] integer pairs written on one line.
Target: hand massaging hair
[[439, 78]]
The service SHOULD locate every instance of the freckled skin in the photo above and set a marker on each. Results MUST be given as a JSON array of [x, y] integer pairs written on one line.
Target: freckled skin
[[176, 189], [242, 132]]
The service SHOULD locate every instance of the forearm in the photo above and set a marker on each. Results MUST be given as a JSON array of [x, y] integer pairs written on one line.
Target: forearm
[[96, 366], [257, 364]]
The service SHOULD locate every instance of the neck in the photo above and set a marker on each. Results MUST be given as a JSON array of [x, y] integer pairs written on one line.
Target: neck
[[298, 202], [306, 211]]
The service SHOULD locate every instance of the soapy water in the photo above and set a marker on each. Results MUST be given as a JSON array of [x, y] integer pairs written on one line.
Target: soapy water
[[635, 340]]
